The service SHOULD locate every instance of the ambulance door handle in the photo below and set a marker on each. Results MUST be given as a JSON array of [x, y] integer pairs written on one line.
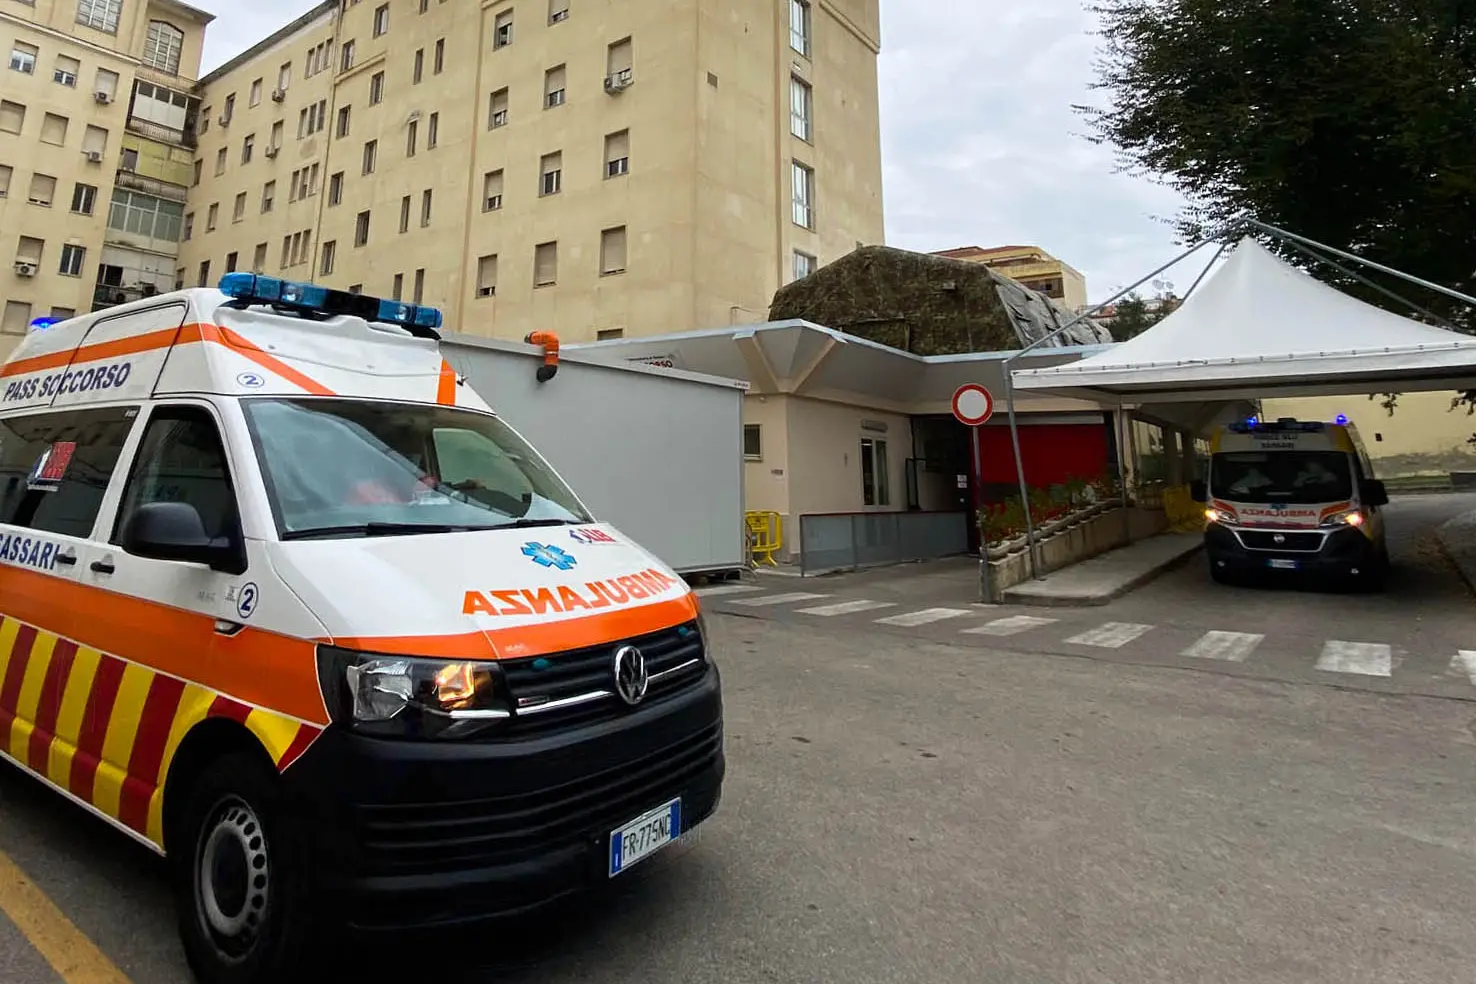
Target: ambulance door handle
[[103, 566], [66, 559]]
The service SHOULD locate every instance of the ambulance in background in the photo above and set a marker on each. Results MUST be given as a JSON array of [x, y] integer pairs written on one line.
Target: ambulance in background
[[1291, 497], [283, 599]]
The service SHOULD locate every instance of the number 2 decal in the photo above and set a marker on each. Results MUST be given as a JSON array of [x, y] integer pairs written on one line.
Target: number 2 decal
[[246, 600]]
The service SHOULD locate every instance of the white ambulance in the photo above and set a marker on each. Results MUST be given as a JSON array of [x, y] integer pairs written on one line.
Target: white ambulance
[[1292, 497], [283, 599]]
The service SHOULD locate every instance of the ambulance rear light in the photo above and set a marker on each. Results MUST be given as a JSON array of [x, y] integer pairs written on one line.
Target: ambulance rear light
[[311, 300]]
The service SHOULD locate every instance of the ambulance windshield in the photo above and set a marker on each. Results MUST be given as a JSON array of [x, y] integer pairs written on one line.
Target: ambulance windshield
[[339, 467], [1304, 477]]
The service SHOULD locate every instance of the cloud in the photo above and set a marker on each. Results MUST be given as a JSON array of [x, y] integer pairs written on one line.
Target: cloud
[[980, 145]]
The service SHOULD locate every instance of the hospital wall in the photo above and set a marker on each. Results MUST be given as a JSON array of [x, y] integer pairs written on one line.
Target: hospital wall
[[1423, 435]]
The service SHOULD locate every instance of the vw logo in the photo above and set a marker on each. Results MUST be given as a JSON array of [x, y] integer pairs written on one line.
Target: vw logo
[[1278, 538], [630, 675]]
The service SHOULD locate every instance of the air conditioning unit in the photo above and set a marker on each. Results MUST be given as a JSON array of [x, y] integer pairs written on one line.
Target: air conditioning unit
[[278, 95], [102, 96], [25, 268], [272, 151], [618, 82], [94, 156]]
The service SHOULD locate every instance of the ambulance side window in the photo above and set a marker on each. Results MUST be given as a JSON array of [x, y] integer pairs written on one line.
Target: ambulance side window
[[55, 467], [181, 459]]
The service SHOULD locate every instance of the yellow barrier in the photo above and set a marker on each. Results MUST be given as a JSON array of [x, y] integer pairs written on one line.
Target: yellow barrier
[[765, 537], [1184, 514]]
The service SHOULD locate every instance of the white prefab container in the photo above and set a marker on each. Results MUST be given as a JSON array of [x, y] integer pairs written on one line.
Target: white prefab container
[[657, 452]]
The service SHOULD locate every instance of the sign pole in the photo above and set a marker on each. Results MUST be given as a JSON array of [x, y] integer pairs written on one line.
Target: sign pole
[[973, 405]]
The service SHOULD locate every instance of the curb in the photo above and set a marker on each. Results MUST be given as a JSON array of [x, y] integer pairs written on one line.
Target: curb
[[1106, 598]]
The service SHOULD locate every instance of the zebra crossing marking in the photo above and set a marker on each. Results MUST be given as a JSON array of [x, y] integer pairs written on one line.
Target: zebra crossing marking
[[713, 590], [1465, 662], [778, 599], [1013, 625], [1110, 635], [846, 608], [1230, 647], [1362, 658], [926, 616]]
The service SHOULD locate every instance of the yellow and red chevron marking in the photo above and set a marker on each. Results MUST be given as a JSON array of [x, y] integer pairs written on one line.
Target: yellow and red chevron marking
[[106, 730]]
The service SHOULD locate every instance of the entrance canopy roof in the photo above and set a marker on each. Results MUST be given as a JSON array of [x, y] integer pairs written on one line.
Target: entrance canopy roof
[[1259, 327]]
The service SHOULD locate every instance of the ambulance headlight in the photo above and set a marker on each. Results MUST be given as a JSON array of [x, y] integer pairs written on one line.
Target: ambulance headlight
[[1351, 517], [409, 697]]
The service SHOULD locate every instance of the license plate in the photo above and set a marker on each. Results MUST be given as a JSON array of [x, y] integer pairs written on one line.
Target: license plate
[[1283, 565], [644, 836]]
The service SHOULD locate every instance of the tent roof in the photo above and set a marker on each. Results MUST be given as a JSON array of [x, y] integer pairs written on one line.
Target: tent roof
[[1259, 326]]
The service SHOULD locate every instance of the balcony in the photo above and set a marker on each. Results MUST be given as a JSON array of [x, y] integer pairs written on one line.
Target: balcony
[[134, 181], [163, 134]]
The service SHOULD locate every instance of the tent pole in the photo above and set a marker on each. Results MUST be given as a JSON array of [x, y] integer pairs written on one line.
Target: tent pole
[[1369, 283], [1121, 424], [1353, 257], [1205, 272], [1020, 474]]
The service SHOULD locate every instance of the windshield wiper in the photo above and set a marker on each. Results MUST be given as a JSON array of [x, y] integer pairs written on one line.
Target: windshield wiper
[[528, 524], [377, 529]]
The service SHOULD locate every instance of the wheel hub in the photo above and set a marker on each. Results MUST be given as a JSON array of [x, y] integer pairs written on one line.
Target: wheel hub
[[232, 875]]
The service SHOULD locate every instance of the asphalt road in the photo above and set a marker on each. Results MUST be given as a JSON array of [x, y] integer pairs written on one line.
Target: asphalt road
[[907, 807]]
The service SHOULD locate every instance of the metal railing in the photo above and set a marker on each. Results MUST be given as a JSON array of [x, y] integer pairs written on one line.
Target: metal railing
[[850, 541]]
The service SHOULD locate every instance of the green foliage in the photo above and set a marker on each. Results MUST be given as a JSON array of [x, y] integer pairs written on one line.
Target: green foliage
[[1005, 521], [1351, 122]]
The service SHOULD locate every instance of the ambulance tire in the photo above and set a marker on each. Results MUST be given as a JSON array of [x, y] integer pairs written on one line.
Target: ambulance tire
[[248, 928]]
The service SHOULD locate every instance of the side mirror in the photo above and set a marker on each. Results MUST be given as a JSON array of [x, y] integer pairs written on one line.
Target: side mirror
[[1197, 490], [1374, 493], [174, 531]]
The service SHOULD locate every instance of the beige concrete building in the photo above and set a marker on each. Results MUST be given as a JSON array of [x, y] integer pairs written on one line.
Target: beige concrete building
[[1424, 436], [95, 131], [1034, 268], [597, 169]]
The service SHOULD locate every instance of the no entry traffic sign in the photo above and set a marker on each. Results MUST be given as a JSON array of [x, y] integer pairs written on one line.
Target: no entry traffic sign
[[972, 405]]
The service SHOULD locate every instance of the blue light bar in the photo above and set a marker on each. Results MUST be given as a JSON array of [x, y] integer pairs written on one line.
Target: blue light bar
[[1341, 419], [310, 299], [42, 323]]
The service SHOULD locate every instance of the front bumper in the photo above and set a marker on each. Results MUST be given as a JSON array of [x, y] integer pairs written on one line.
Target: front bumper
[[1343, 552], [426, 834]]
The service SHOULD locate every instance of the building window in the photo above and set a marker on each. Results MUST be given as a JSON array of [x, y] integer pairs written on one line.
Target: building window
[[63, 313], [804, 265], [204, 274], [440, 61], [43, 190], [558, 10], [496, 110], [84, 199], [12, 116], [256, 93], [405, 214], [17, 318], [419, 71], [330, 250], [875, 488], [7, 172], [66, 71], [425, 208], [417, 294], [268, 196], [619, 60], [189, 221], [617, 154], [361, 228], [23, 58], [412, 136], [803, 179], [106, 81], [376, 88], [545, 264], [551, 173], [612, 251], [162, 47], [94, 139], [30, 249], [753, 442], [799, 26], [801, 103], [238, 210], [381, 20], [54, 129], [487, 276], [259, 258], [553, 87], [346, 56], [609, 334], [345, 122], [220, 162], [371, 154], [335, 189], [247, 146], [72, 258], [502, 30], [492, 190], [433, 132], [100, 15], [212, 216], [397, 291]]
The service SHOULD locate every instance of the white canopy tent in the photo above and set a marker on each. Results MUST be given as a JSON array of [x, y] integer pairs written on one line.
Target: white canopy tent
[[1260, 327]]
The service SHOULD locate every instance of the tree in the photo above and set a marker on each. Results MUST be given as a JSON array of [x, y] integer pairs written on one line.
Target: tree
[[1134, 317], [1351, 122]]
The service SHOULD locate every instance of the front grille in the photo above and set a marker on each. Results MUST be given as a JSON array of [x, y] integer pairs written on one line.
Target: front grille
[[1290, 541], [437, 837], [536, 681]]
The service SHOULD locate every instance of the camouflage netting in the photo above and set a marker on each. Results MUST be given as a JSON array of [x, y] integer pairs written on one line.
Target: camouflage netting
[[927, 305]]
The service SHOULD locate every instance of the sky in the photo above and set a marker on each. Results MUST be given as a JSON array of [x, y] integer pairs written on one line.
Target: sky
[[980, 145]]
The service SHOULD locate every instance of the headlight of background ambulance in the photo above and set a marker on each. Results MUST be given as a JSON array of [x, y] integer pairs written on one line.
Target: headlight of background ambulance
[[409, 697]]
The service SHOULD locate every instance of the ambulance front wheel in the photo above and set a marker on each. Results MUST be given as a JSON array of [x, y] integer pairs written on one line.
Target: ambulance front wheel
[[240, 877]]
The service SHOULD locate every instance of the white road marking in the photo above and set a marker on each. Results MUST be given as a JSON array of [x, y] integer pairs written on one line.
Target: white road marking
[[924, 617], [1232, 647], [1465, 662], [1013, 625], [1363, 658], [710, 590], [778, 599], [1110, 635], [846, 608]]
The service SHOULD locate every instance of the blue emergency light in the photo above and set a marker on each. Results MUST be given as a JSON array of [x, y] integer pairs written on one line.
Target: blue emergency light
[[310, 300], [43, 323], [1341, 419]]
